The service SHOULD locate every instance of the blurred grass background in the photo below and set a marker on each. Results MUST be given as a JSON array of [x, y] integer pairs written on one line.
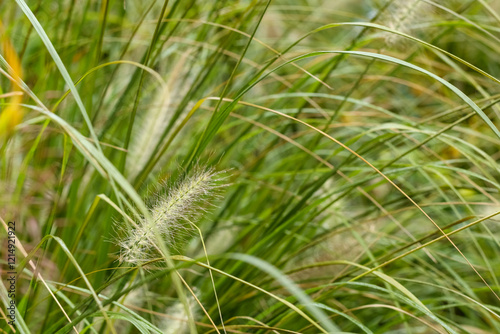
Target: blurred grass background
[[358, 142]]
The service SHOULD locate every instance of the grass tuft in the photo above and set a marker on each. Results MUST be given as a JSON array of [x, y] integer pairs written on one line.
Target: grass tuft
[[363, 143]]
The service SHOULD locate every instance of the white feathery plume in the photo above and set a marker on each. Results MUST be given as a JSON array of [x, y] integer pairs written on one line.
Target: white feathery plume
[[148, 132], [402, 15], [171, 215]]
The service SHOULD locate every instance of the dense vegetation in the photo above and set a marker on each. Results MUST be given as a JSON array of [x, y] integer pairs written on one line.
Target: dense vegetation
[[306, 166]]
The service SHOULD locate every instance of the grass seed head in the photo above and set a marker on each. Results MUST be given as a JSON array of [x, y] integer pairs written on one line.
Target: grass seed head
[[402, 15], [172, 215]]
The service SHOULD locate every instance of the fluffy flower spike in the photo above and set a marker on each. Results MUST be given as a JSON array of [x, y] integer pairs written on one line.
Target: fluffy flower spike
[[182, 203], [402, 15]]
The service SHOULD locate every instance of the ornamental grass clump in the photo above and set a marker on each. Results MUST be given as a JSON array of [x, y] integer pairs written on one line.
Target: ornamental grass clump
[[173, 215]]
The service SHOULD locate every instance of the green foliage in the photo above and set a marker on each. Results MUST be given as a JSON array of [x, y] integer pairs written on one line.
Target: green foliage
[[305, 166]]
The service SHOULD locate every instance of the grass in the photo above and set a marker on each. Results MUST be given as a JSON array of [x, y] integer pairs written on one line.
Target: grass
[[251, 166]]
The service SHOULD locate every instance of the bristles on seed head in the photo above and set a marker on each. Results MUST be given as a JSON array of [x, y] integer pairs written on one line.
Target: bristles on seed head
[[172, 214]]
